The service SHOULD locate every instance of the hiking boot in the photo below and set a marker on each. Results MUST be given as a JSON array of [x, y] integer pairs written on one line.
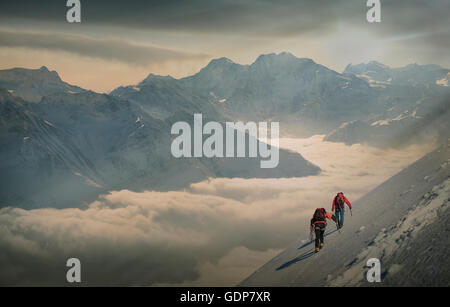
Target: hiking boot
[[317, 249], [321, 245]]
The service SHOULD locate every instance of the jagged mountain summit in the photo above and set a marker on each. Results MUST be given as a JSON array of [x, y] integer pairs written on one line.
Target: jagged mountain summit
[[306, 97], [33, 84], [275, 86], [280, 85], [162, 96]]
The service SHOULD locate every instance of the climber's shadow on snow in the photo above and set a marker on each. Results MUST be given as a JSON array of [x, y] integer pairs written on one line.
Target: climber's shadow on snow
[[296, 259], [304, 255], [311, 242]]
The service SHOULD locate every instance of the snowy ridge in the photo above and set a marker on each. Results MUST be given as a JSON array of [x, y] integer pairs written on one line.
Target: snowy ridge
[[389, 240], [395, 222], [33, 84], [443, 81]]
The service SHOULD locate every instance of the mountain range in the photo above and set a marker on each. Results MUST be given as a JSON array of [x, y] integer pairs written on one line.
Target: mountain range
[[62, 145], [306, 97], [69, 147]]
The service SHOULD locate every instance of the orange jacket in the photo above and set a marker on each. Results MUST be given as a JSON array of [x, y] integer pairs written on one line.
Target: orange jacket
[[328, 215]]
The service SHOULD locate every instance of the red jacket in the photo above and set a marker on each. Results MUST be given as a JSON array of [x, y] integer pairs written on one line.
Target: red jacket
[[346, 201]]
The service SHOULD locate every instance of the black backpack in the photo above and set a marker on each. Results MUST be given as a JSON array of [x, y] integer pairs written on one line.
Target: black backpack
[[319, 214]]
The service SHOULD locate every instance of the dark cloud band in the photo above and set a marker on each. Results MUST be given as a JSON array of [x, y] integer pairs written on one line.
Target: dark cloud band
[[231, 15], [108, 49]]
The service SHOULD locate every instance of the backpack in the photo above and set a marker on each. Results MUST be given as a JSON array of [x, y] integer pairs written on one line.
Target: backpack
[[339, 203], [319, 214]]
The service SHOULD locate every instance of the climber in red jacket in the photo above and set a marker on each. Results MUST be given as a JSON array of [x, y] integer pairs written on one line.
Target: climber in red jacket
[[338, 207]]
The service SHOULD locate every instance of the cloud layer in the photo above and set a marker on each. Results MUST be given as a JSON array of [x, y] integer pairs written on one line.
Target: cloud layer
[[106, 49], [214, 233], [260, 17]]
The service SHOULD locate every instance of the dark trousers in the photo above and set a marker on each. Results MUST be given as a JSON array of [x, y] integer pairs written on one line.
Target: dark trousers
[[319, 229]]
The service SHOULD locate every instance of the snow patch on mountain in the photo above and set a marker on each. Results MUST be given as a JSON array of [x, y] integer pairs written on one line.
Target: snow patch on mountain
[[443, 81], [88, 181], [388, 121]]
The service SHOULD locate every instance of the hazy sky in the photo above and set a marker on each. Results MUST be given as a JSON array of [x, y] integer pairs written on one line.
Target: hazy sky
[[120, 42]]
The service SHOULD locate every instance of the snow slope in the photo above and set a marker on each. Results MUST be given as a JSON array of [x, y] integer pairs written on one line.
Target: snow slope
[[403, 222]]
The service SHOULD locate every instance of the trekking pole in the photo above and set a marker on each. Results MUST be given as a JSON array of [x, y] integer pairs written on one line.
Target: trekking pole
[[351, 213]]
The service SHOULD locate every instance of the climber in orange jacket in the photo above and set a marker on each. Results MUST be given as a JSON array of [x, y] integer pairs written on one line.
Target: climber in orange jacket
[[318, 224]]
